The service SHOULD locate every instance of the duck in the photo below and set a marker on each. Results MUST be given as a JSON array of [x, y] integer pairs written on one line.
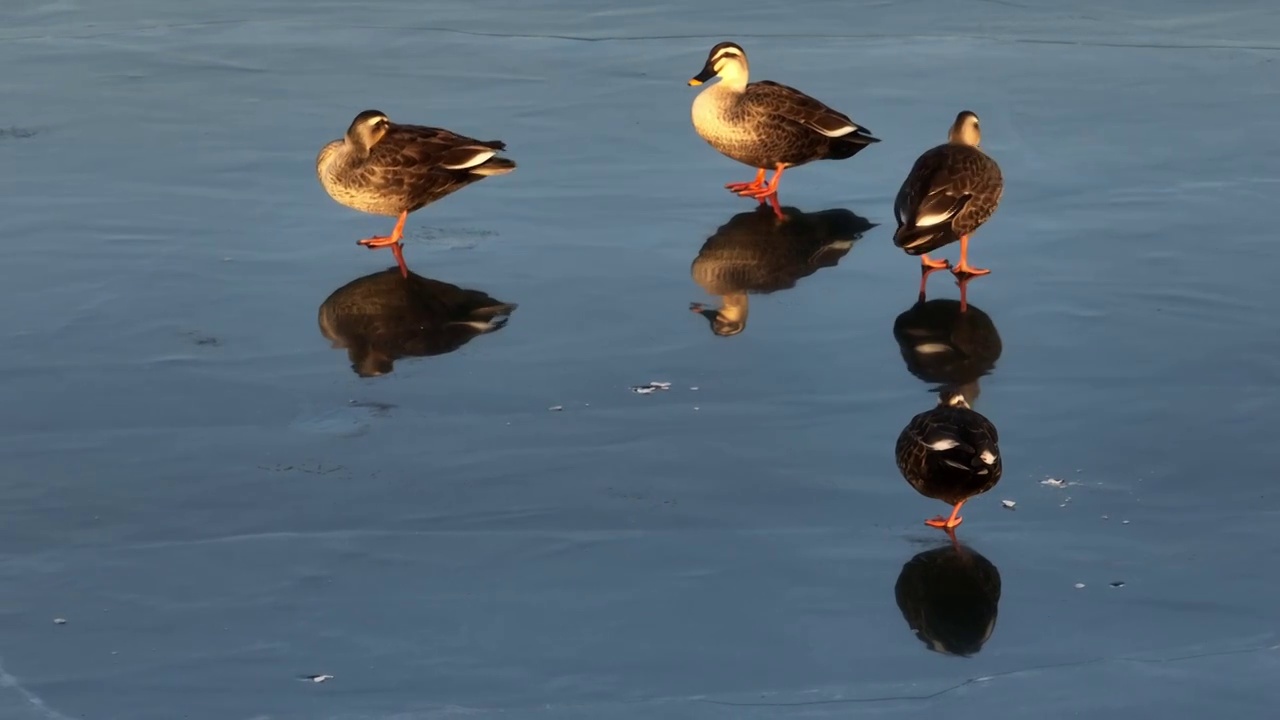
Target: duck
[[951, 191], [755, 252], [944, 342], [385, 316], [767, 125], [385, 168], [950, 598], [950, 453]]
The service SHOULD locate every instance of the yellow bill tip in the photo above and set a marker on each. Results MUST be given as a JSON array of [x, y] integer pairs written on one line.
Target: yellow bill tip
[[695, 81]]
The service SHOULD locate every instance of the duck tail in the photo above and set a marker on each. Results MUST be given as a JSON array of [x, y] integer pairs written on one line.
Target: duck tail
[[921, 240], [493, 166], [484, 326], [495, 310], [985, 457], [846, 146]]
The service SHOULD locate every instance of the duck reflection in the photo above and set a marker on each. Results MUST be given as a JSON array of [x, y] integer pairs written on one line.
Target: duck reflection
[[383, 317], [757, 253], [950, 597], [948, 343]]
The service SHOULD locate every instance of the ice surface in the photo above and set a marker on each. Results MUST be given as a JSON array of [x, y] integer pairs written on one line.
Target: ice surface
[[187, 480]]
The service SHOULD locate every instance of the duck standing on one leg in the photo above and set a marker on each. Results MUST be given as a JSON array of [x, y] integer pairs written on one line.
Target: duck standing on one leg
[[950, 192], [767, 125], [950, 453], [384, 168]]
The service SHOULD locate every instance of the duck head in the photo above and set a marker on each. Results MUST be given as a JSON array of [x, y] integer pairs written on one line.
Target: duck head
[[727, 61], [965, 130], [730, 319], [367, 129]]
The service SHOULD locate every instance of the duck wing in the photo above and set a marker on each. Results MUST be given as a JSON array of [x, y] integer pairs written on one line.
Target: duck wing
[[960, 438], [950, 190], [418, 146], [790, 103]]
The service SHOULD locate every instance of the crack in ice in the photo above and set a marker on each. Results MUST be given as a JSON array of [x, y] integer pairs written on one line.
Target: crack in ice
[[9, 681]]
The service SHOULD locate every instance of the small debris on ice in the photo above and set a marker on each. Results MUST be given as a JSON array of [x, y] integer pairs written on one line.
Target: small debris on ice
[[59, 621], [1124, 522], [1008, 503], [650, 387], [1106, 517], [1054, 482], [556, 408], [1118, 584], [1079, 586], [695, 387], [316, 678]]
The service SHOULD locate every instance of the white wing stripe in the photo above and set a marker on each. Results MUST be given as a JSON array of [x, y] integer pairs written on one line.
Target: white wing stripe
[[475, 160], [935, 218]]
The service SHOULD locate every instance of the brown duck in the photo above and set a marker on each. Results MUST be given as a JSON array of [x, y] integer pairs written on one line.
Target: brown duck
[[767, 125], [950, 192], [950, 453], [384, 168]]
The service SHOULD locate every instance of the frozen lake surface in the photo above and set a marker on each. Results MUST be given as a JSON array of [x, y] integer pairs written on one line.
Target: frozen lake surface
[[201, 486]]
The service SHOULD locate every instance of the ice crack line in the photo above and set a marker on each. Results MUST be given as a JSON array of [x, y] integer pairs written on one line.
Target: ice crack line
[[9, 681]]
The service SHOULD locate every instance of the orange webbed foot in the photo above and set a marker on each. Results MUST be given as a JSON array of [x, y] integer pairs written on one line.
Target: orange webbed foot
[[944, 523], [743, 187], [378, 241]]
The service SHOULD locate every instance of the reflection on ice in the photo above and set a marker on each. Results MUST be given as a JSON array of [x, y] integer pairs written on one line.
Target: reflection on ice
[[383, 317], [947, 344], [759, 253], [950, 597]]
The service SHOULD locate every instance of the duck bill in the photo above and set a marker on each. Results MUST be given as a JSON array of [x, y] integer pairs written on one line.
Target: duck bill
[[706, 74]]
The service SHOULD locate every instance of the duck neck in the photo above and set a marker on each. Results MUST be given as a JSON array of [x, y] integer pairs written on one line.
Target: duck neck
[[733, 78]]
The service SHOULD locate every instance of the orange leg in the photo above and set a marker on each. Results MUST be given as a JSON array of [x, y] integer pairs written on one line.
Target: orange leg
[[927, 262], [947, 523], [964, 268], [770, 189], [925, 271], [392, 240], [777, 207], [753, 185]]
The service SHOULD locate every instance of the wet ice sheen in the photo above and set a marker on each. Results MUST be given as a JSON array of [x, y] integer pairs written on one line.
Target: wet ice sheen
[[187, 480]]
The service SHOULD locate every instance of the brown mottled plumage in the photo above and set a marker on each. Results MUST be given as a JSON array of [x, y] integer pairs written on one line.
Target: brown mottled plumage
[[757, 253], [383, 317], [950, 453], [950, 598], [950, 192], [384, 168], [767, 125]]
